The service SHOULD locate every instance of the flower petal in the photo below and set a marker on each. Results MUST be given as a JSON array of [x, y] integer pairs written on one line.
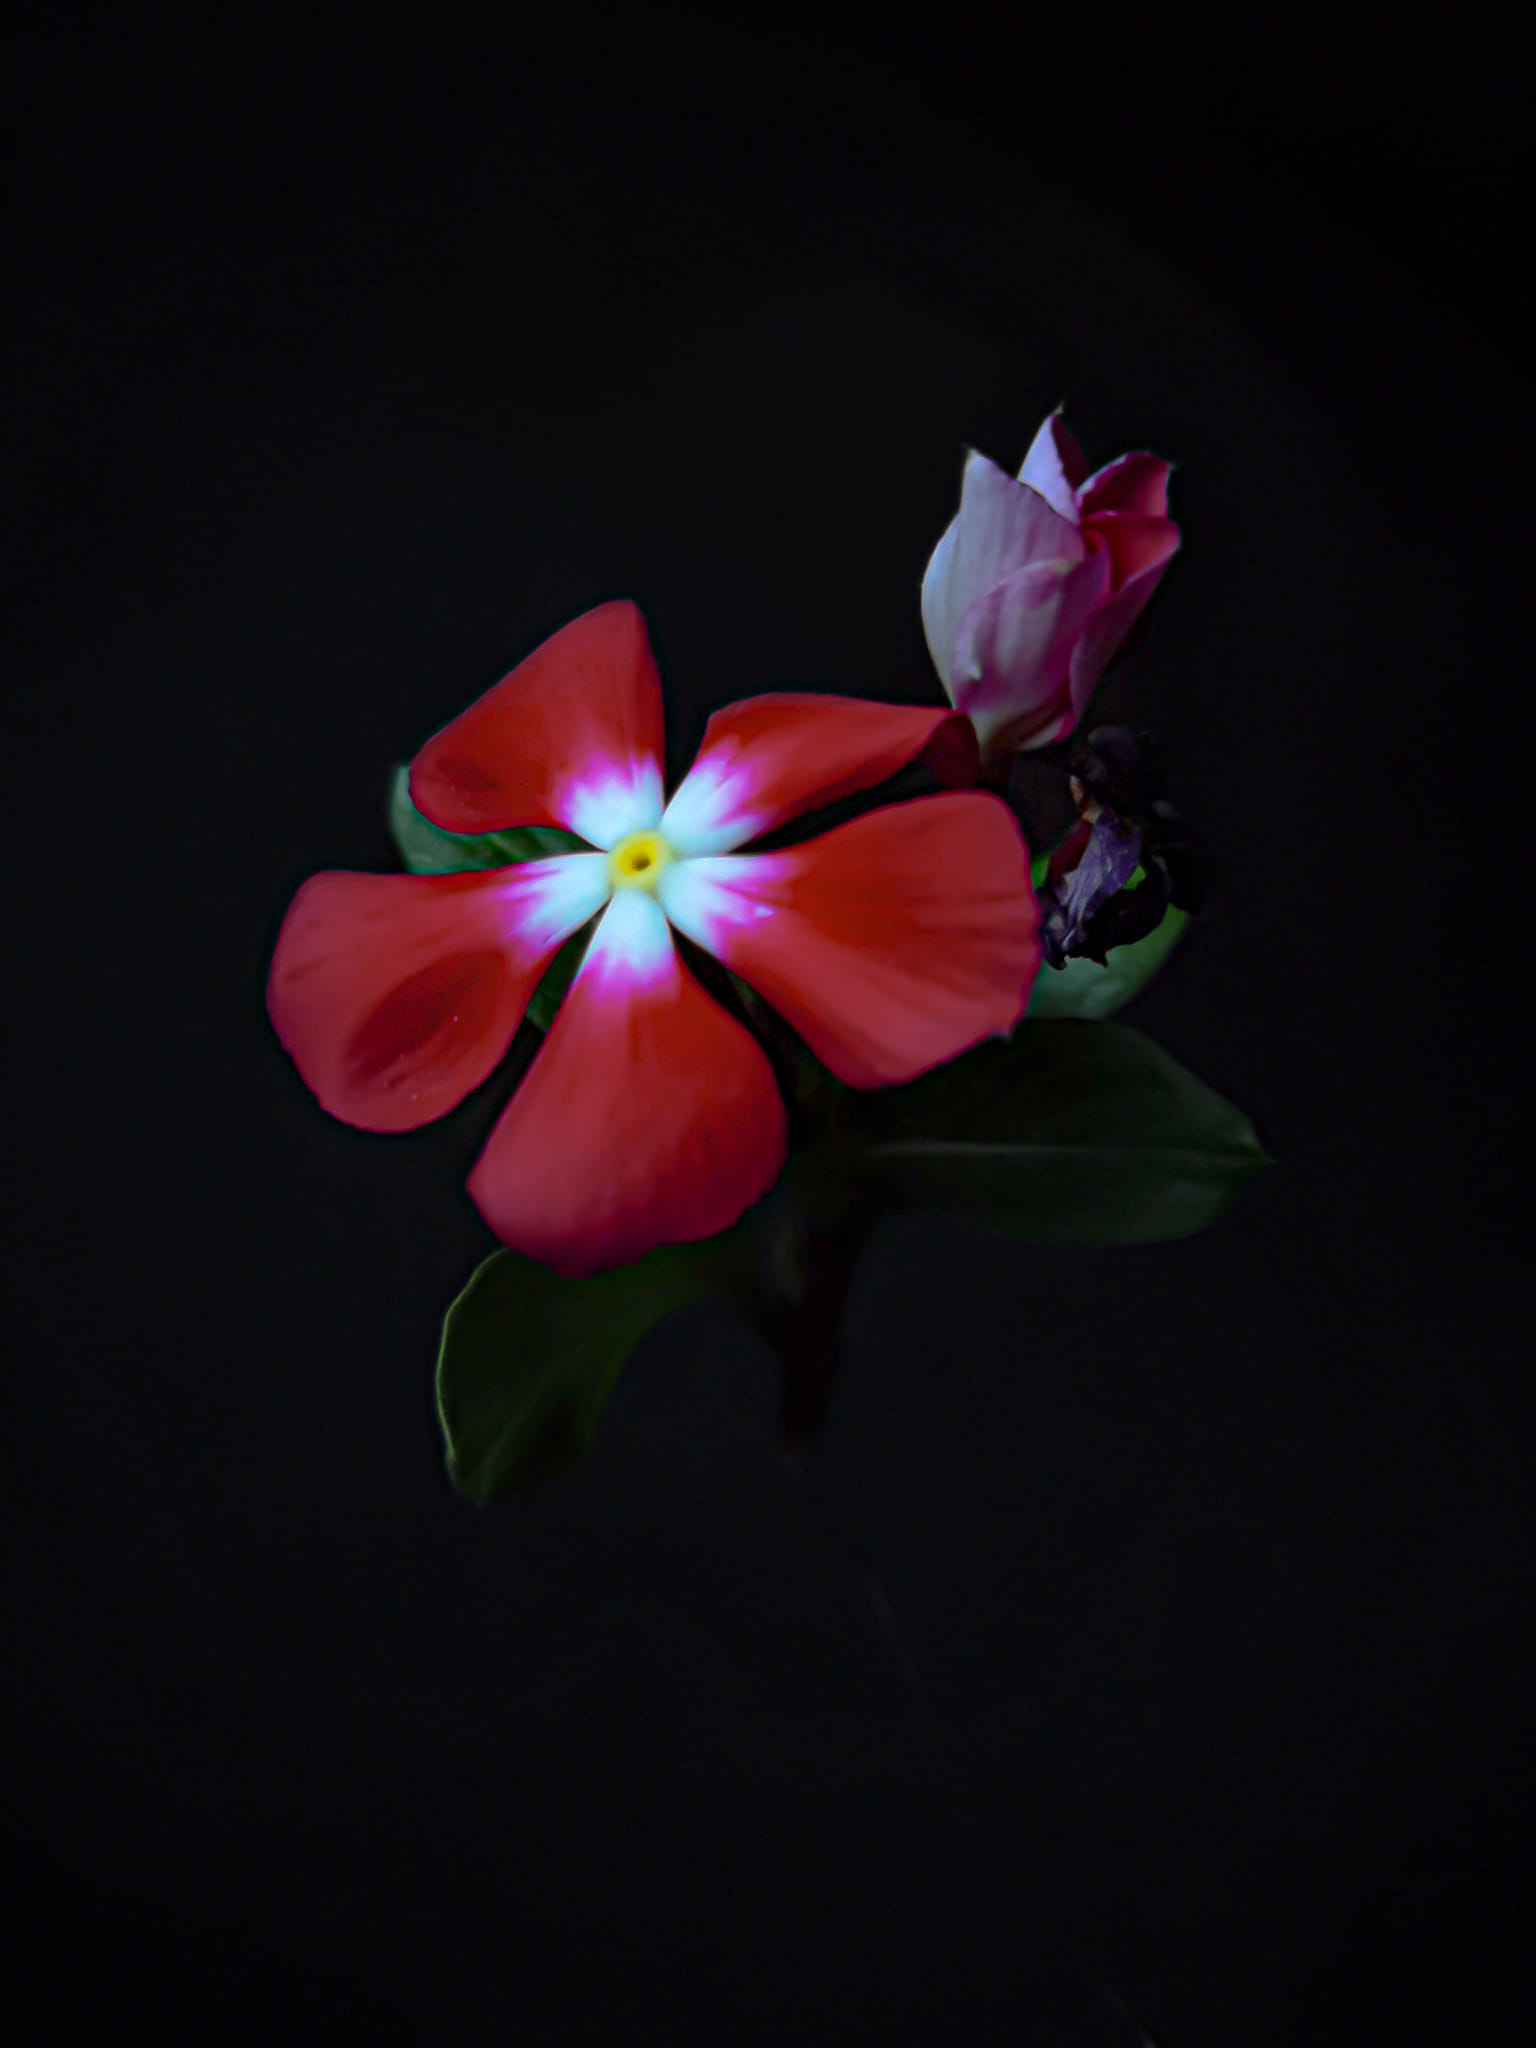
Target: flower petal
[[573, 737], [1055, 467], [1014, 649], [1109, 626], [940, 606], [1106, 865], [396, 994], [648, 1117], [770, 758], [1134, 543], [1137, 484], [1001, 527], [890, 943]]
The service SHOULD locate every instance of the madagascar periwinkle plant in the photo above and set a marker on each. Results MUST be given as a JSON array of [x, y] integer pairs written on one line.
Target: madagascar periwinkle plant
[[757, 1032]]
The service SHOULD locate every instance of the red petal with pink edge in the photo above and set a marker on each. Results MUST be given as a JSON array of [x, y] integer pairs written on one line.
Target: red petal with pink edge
[[769, 758], [573, 737], [649, 1117], [394, 995], [954, 754], [890, 943], [1134, 544], [1137, 484]]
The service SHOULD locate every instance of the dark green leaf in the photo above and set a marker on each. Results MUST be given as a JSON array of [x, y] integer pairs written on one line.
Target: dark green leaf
[[1067, 1133], [427, 850], [528, 1359]]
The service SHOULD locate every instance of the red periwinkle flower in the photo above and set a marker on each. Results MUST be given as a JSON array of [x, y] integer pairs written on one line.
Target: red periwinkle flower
[[1037, 581], [650, 1115]]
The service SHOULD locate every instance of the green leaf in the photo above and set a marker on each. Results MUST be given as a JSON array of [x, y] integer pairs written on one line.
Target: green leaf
[[1082, 988], [1068, 1133], [428, 850], [528, 1359]]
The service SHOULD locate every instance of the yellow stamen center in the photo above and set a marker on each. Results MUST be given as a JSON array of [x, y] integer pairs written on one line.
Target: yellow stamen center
[[637, 862]]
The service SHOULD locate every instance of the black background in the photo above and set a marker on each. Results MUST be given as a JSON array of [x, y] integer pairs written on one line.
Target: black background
[[349, 361]]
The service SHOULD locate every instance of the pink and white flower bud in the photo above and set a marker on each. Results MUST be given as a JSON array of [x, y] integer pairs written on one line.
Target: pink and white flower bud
[[1036, 582]]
